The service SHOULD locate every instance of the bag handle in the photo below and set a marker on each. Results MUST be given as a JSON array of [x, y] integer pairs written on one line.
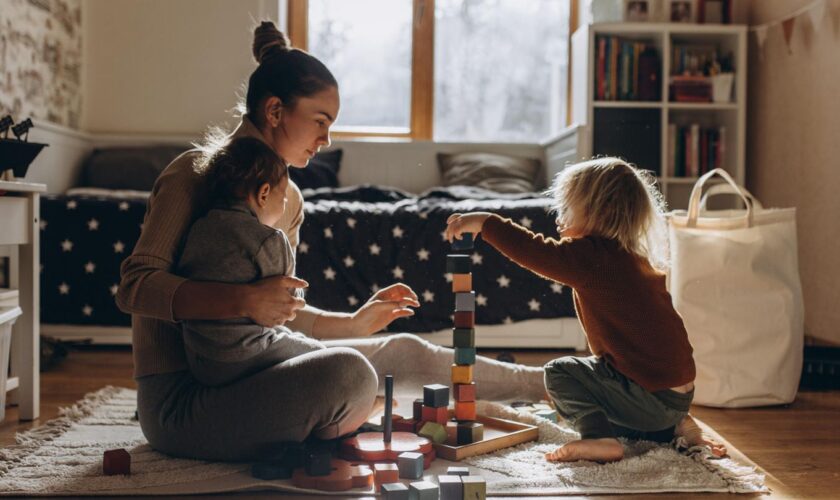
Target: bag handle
[[694, 201], [727, 189]]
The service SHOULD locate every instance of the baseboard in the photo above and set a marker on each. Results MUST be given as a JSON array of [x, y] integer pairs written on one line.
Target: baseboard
[[114, 335]]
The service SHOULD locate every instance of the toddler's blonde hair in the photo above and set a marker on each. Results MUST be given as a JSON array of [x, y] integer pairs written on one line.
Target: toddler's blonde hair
[[610, 198]]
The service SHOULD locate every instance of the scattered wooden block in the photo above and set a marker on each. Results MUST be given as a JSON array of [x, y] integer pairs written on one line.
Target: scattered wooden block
[[394, 420], [405, 425], [317, 463], [464, 319], [394, 491], [463, 337], [464, 392], [418, 410], [272, 470], [458, 471], [465, 355], [458, 263], [452, 433], [451, 487], [462, 374], [434, 431], [116, 462], [475, 487], [465, 243], [470, 432], [547, 414], [462, 282], [464, 410], [465, 301], [411, 465], [435, 395], [385, 473], [439, 415], [423, 490]]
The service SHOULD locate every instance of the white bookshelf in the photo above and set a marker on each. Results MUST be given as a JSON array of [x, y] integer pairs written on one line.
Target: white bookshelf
[[661, 113]]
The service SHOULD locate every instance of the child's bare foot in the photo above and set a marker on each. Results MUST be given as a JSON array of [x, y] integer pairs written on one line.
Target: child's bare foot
[[695, 436], [596, 450]]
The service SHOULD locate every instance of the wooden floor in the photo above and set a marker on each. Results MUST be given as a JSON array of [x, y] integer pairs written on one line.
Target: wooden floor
[[797, 446]]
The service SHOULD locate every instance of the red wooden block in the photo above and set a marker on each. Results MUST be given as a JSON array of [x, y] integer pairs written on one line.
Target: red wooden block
[[116, 462], [464, 392], [464, 319], [439, 415], [405, 425], [465, 410]]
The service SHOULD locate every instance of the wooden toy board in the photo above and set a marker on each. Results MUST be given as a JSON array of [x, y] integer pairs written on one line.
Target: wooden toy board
[[498, 434]]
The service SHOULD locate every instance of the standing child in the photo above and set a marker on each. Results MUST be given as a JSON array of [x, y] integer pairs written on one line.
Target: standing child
[[236, 242], [639, 382]]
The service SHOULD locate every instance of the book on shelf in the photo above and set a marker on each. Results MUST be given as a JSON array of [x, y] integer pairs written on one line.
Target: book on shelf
[[694, 150], [624, 71], [692, 69]]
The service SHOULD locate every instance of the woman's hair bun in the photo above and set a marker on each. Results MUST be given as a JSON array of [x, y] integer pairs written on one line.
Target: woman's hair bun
[[269, 41]]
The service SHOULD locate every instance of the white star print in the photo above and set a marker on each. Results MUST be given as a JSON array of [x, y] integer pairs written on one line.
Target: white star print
[[374, 249], [352, 300], [428, 296], [476, 258], [480, 300], [66, 246], [374, 288], [507, 320], [303, 247], [397, 232], [328, 233], [93, 225], [348, 261], [503, 281], [423, 254], [119, 246], [87, 310], [423, 215], [123, 206], [443, 235], [351, 222], [42, 224], [556, 287], [526, 222], [64, 289], [448, 277], [534, 305], [90, 267], [329, 273], [397, 272], [71, 205], [114, 289]]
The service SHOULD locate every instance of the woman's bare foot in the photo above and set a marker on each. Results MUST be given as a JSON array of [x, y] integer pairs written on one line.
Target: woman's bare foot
[[694, 436], [596, 450]]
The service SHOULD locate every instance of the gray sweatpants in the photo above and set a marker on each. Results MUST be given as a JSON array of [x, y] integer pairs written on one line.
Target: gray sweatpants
[[598, 401], [325, 393]]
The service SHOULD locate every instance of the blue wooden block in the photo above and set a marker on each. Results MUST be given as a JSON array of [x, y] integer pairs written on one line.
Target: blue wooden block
[[458, 264], [423, 490], [451, 487], [465, 301], [458, 471], [465, 243], [463, 337], [435, 395], [271, 470], [410, 464], [394, 491], [465, 355]]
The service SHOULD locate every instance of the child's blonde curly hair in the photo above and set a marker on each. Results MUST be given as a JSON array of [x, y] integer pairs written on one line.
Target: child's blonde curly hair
[[610, 198]]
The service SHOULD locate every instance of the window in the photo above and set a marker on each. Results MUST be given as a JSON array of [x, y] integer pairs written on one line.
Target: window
[[452, 70]]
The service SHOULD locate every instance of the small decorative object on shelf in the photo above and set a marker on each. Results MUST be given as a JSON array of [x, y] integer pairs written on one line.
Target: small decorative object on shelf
[[637, 11], [16, 154], [701, 74], [682, 11], [714, 12]]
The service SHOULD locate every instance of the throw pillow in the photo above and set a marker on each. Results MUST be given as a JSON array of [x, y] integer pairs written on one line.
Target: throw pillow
[[322, 171], [499, 173], [134, 168]]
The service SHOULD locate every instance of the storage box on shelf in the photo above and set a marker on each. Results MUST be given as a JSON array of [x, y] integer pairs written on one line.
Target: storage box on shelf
[[693, 119]]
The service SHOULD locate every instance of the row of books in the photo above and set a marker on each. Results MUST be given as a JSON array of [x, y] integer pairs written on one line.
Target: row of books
[[694, 150], [626, 70], [695, 60]]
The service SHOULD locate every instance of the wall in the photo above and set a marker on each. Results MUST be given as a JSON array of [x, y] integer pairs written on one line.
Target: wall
[[793, 150], [41, 60]]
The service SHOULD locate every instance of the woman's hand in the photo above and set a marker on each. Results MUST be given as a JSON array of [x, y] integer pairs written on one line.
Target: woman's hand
[[457, 224], [385, 306], [269, 302]]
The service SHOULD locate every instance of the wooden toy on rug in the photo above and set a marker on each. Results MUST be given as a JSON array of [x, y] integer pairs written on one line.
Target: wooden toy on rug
[[394, 491], [451, 487], [465, 243], [405, 425], [452, 433], [116, 462], [423, 490], [462, 374], [464, 392], [465, 355], [272, 470], [458, 263], [417, 414], [438, 415], [458, 471], [435, 395], [385, 473], [465, 410], [475, 487], [463, 337], [342, 476], [470, 432], [464, 319], [410, 465], [389, 403], [462, 282], [434, 431]]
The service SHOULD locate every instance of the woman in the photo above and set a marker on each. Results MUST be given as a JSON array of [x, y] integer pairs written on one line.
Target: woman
[[291, 103]]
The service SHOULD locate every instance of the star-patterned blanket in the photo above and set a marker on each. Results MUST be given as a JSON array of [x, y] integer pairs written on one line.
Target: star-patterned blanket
[[353, 241]]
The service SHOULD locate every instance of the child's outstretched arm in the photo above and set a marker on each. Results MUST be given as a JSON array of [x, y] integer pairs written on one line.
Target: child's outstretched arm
[[457, 224]]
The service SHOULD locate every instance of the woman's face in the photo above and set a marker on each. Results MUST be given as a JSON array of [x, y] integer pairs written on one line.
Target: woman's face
[[304, 129]]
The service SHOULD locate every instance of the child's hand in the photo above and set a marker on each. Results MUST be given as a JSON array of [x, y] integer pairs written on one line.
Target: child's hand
[[465, 223]]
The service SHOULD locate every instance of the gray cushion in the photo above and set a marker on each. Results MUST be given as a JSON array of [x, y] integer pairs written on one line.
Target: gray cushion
[[499, 173], [127, 167]]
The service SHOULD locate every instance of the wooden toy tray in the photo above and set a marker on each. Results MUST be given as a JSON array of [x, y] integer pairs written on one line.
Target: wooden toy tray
[[498, 434]]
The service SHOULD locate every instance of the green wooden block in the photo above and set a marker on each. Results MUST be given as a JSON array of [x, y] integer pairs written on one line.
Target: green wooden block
[[463, 337], [475, 487], [434, 431]]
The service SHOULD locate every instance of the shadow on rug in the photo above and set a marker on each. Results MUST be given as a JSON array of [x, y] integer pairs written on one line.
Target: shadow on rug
[[64, 456]]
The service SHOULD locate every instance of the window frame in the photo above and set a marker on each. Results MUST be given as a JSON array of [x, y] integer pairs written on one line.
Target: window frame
[[421, 122]]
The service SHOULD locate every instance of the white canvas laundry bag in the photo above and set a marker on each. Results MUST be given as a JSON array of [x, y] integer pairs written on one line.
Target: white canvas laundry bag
[[735, 281]]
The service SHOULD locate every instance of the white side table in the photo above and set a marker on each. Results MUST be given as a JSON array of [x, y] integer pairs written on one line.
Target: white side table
[[20, 217]]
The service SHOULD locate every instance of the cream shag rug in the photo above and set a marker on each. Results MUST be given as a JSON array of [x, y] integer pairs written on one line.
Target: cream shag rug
[[64, 456]]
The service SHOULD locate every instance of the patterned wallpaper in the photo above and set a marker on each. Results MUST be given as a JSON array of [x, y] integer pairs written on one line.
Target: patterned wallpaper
[[41, 60]]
